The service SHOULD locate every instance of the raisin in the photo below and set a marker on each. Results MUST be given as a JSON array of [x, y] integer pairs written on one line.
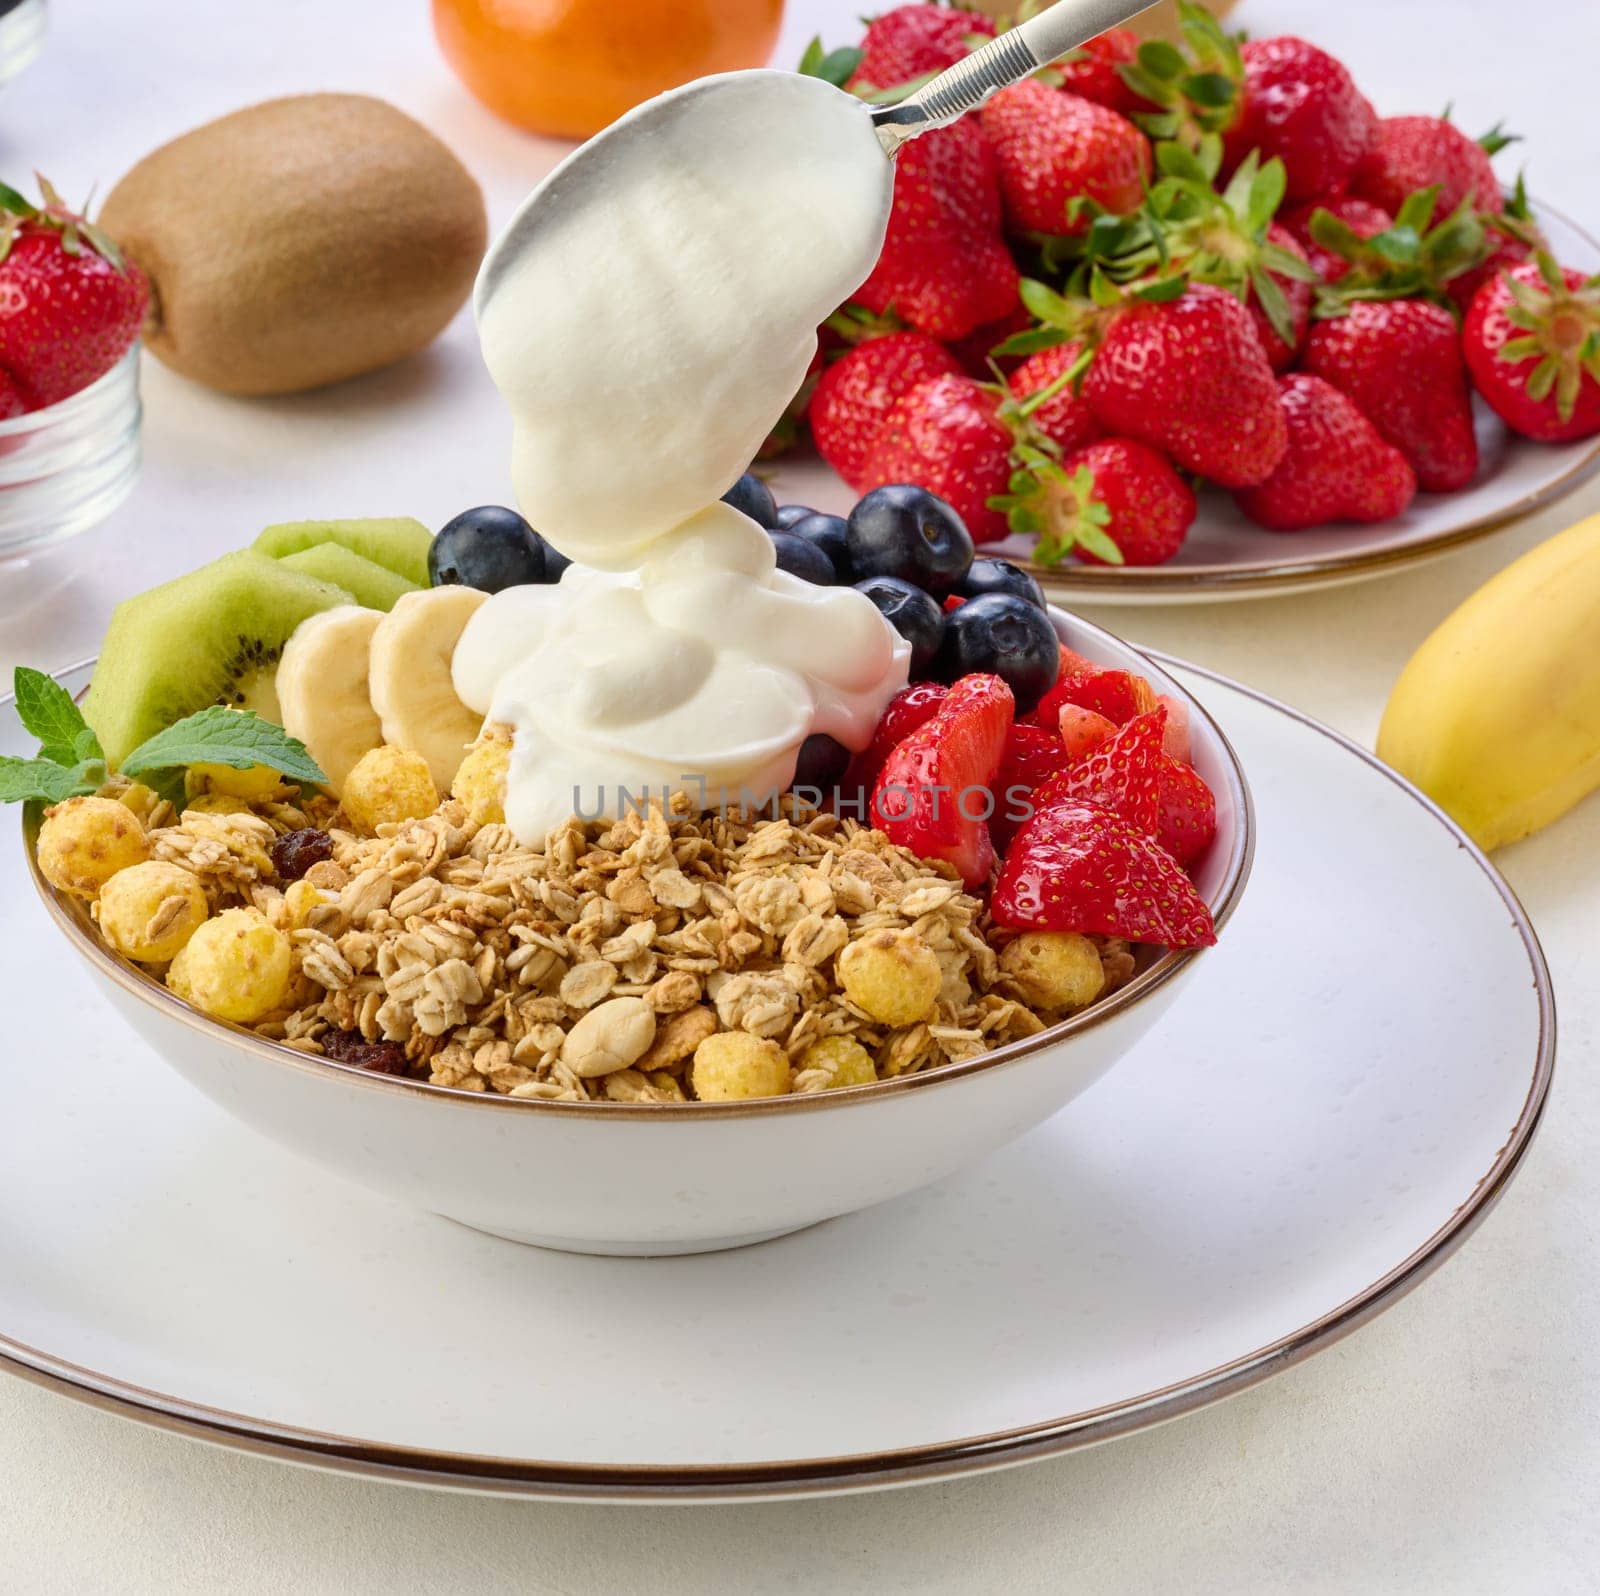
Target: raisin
[[295, 852], [351, 1047]]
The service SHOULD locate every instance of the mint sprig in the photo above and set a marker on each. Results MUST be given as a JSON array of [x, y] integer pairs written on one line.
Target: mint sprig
[[71, 761]]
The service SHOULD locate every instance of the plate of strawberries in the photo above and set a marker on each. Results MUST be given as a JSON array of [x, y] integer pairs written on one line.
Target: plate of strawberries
[[1189, 321]]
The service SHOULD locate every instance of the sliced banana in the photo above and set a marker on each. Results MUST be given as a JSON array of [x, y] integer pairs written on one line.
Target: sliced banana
[[322, 688], [408, 676]]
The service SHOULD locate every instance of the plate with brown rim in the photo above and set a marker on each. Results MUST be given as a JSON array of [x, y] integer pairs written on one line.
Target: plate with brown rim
[[1300, 1142], [1227, 556]]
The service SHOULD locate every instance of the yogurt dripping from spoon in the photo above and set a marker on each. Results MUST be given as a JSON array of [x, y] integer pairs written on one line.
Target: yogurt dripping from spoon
[[648, 316]]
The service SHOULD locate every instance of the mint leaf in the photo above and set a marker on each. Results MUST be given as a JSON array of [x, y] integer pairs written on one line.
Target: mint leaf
[[22, 780], [45, 709], [222, 736]]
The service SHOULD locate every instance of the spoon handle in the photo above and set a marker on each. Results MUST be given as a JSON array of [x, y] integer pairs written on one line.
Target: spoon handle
[[1013, 55]]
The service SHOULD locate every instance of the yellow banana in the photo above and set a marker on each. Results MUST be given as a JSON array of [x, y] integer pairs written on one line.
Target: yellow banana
[[1497, 715]]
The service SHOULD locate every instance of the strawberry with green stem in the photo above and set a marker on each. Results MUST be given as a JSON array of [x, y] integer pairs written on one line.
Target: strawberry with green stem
[[70, 304], [1417, 152], [1532, 343], [1415, 257], [855, 394]]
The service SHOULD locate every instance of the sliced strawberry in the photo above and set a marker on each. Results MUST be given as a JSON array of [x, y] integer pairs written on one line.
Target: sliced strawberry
[[1123, 774], [1118, 695], [1032, 757], [953, 601], [1188, 819], [1073, 668], [1075, 867], [1176, 742], [910, 708], [1082, 730], [933, 795]]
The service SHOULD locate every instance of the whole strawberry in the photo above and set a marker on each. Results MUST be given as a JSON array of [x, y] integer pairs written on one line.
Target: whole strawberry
[[1296, 295], [1338, 467], [1188, 376], [944, 267], [1062, 414], [1532, 343], [1362, 217], [947, 436], [854, 394], [1301, 105], [70, 305], [1133, 496], [1412, 152], [910, 41], [1052, 147], [1400, 361], [976, 352], [1092, 71]]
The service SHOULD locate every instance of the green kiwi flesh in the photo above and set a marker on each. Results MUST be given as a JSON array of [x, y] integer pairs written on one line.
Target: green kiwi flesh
[[397, 543], [374, 585], [211, 637]]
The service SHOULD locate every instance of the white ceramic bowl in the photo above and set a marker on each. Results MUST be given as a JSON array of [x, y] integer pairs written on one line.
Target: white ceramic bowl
[[676, 1178]]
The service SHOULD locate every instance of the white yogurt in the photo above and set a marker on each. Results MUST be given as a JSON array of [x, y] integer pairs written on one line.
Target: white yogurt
[[659, 316]]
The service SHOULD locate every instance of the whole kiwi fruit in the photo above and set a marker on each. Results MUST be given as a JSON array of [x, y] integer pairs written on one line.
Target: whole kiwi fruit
[[299, 242]]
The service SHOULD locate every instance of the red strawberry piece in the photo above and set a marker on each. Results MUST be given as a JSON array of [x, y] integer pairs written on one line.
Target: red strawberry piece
[[786, 434], [1033, 755], [1401, 361], [70, 305], [1176, 740], [1052, 147], [1082, 730], [947, 436], [910, 708], [1092, 70], [933, 795], [944, 267], [1188, 376], [13, 402], [976, 352], [1188, 811], [1302, 106], [1132, 495], [857, 391], [909, 41], [1122, 774], [1076, 867], [1073, 668], [1063, 416], [1362, 217], [1118, 695], [1338, 467], [953, 601], [1412, 152], [1532, 342]]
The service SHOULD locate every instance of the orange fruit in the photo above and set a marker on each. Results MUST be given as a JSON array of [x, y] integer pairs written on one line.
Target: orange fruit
[[571, 67]]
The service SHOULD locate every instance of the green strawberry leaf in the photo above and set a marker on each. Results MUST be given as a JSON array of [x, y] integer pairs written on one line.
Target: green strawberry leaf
[[222, 736], [832, 66], [12, 201]]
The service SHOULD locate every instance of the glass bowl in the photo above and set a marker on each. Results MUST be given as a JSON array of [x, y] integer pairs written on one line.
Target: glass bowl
[[21, 35], [68, 466]]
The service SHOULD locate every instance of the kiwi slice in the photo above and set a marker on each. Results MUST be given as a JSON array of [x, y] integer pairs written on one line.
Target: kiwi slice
[[397, 543], [373, 585], [211, 637]]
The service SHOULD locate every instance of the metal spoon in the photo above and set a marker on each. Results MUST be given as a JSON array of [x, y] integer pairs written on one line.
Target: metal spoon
[[1004, 60]]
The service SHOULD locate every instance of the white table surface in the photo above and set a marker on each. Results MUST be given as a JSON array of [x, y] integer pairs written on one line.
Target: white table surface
[[1452, 1446]]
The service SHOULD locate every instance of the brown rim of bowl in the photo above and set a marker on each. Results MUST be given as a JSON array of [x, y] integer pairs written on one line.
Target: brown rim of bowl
[[1089, 584], [707, 1483], [73, 921]]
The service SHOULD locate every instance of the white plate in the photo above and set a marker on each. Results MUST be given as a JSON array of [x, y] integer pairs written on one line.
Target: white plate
[[1228, 557], [1320, 1121]]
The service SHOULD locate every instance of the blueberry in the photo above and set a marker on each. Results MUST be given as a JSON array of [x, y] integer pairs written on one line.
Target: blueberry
[[489, 547], [754, 497], [821, 763], [1000, 576], [788, 514], [555, 562], [1006, 635], [828, 533], [801, 557], [907, 532], [912, 613]]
